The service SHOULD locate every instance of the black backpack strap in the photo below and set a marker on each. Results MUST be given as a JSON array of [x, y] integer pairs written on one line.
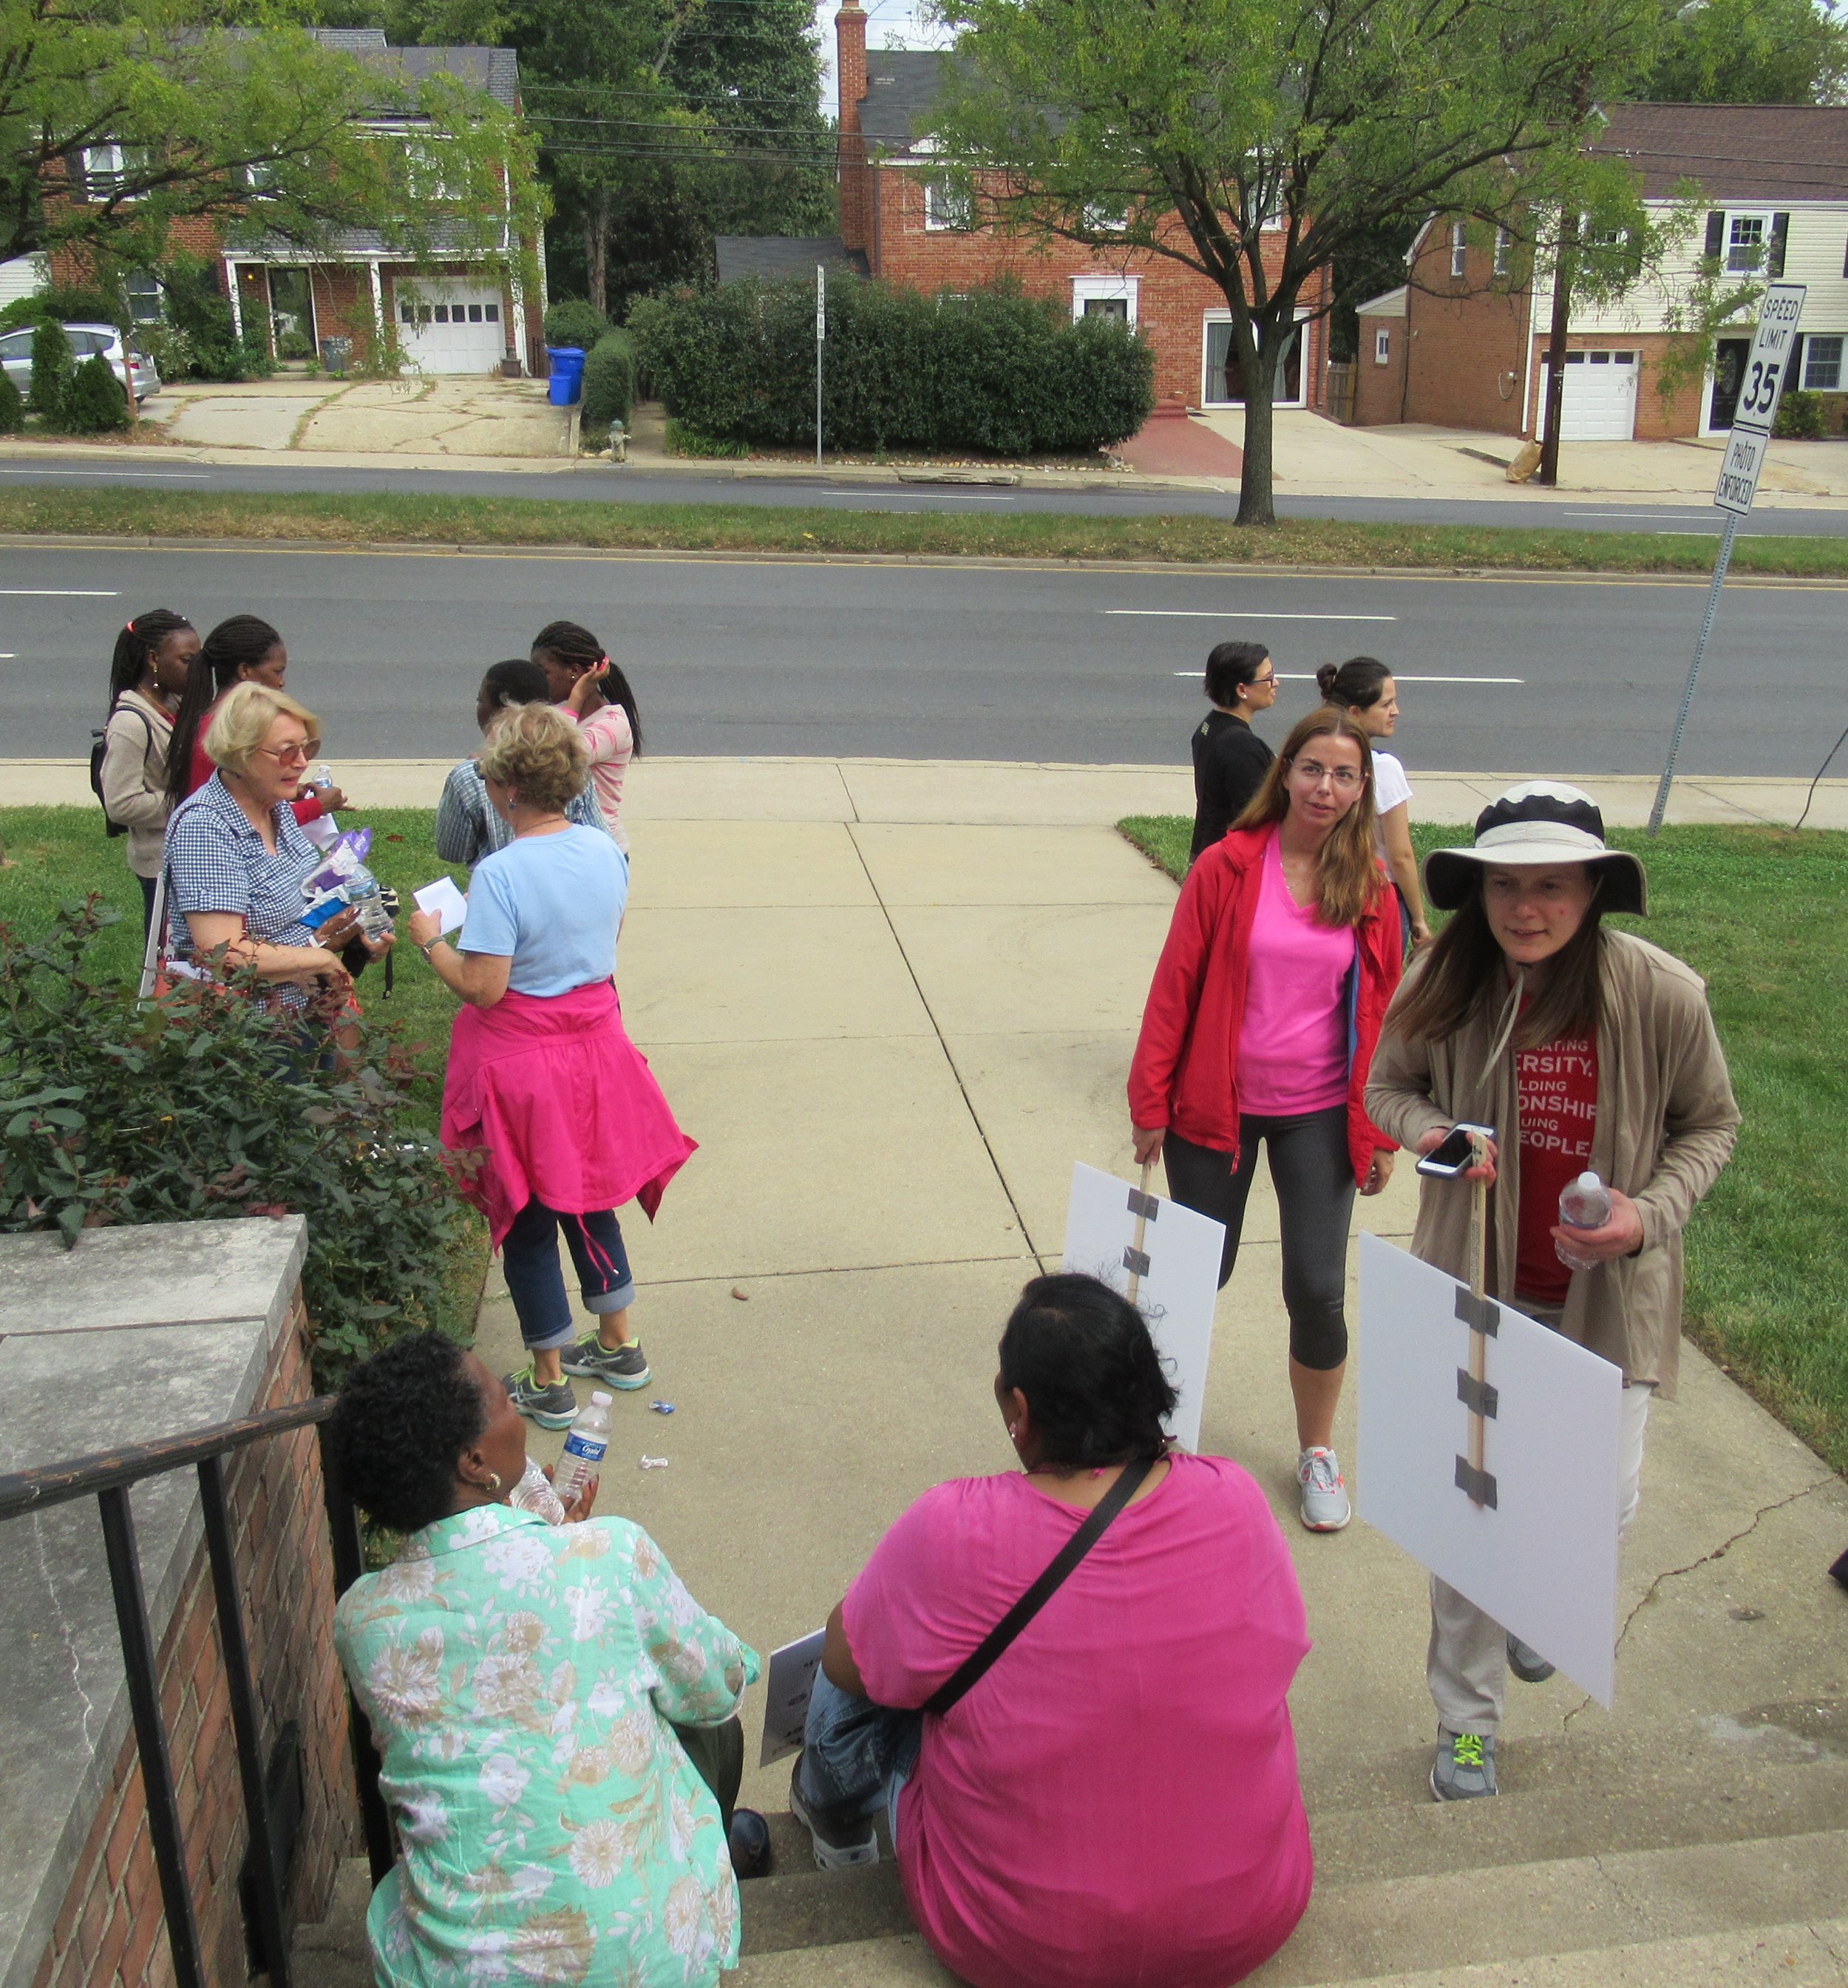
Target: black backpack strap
[[975, 1666]]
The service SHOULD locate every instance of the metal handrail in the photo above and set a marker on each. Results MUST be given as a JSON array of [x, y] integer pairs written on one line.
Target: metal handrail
[[107, 1476]]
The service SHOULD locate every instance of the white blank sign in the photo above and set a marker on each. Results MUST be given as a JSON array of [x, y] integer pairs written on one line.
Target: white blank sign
[[1543, 1560], [788, 1687], [1178, 1291]]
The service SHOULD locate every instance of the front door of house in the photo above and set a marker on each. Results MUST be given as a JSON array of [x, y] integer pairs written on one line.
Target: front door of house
[[292, 313], [1729, 371]]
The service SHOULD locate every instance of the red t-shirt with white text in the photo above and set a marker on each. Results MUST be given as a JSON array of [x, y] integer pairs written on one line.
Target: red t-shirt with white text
[[1556, 1092]]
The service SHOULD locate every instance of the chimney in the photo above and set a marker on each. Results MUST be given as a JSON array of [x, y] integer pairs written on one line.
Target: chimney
[[850, 75]]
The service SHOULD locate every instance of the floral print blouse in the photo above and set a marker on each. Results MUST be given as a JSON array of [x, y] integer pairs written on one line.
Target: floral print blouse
[[519, 1678]]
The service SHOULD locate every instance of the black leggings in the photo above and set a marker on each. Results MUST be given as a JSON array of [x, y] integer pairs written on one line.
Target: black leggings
[[1314, 1179]]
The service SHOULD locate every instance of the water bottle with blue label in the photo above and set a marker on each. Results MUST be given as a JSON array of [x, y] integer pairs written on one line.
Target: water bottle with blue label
[[584, 1448]]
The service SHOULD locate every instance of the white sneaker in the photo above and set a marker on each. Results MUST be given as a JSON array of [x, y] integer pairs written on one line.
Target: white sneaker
[[1325, 1502]]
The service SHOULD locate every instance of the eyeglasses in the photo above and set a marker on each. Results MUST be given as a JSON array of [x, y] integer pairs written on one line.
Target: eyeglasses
[[1345, 779], [290, 755], [1259, 683]]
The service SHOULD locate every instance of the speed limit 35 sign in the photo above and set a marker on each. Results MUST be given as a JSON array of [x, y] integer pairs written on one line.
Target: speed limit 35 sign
[[1773, 346]]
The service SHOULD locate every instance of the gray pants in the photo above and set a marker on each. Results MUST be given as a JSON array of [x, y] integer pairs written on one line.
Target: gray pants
[[1467, 1665]]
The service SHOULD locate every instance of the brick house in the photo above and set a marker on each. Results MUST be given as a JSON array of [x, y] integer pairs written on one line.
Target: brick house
[[459, 317], [901, 219], [1463, 343]]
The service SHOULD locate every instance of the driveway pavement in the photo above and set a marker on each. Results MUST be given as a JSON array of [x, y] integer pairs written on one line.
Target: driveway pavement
[[373, 420]]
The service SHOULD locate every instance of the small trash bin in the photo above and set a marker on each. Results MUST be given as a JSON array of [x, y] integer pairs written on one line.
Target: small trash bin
[[567, 374], [335, 353]]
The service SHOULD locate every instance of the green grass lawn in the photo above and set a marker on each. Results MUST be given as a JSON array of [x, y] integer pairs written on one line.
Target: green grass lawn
[[402, 519], [1760, 914], [59, 855]]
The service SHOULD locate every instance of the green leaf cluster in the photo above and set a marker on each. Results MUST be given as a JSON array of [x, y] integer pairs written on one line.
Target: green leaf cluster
[[609, 381], [990, 372], [571, 321], [1750, 51], [207, 1105], [94, 401]]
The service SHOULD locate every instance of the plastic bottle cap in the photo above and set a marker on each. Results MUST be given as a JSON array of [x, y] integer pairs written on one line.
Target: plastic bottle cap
[[600, 1401], [1589, 1183]]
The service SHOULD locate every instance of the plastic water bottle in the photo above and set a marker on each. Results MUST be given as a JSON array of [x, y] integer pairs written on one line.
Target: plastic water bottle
[[323, 776], [534, 1493], [1584, 1203], [584, 1447]]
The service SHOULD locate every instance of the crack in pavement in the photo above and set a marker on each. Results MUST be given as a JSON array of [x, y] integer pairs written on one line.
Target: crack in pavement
[[1673, 1573]]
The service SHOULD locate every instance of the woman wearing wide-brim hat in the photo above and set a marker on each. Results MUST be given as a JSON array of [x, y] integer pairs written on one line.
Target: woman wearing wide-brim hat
[[1586, 1049]]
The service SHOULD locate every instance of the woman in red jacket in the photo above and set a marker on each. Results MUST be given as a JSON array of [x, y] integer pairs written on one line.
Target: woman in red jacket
[[1260, 1025]]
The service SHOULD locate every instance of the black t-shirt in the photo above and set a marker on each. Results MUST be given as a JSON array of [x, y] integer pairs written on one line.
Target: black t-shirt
[[1230, 761]]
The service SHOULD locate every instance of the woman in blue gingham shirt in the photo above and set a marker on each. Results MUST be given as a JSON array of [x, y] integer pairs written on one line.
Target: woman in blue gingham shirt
[[236, 859]]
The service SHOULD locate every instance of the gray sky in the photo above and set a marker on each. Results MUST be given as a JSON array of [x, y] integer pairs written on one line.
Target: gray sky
[[890, 24]]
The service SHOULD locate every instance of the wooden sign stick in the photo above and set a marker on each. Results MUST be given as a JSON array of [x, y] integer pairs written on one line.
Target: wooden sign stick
[[1478, 1281], [1142, 1225]]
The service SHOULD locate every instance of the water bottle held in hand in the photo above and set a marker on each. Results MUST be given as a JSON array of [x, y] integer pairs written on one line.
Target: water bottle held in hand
[[534, 1493], [1585, 1203], [323, 776], [584, 1447]]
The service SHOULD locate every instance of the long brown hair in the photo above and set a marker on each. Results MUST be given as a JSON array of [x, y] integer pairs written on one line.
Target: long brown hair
[[1466, 968], [1348, 876]]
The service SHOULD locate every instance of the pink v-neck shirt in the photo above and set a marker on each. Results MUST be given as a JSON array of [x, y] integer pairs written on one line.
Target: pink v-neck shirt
[[1115, 1804], [1292, 1044]]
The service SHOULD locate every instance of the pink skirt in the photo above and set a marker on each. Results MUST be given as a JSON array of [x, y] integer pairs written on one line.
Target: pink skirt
[[560, 1106]]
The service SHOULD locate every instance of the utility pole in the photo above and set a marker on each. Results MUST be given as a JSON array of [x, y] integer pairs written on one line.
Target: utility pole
[[821, 334], [1565, 273]]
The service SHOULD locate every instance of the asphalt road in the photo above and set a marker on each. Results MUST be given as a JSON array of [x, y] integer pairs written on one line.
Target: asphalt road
[[591, 483], [993, 663]]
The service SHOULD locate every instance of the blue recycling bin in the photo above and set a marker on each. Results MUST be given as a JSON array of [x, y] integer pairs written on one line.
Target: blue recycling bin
[[567, 374]]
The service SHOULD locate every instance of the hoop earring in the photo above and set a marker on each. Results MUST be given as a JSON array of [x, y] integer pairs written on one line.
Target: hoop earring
[[493, 1480]]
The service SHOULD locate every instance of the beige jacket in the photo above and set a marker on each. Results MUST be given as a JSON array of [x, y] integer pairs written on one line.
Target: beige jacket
[[1665, 1127], [134, 777]]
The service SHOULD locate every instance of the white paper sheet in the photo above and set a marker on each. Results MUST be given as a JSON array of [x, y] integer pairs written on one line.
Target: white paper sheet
[[442, 900], [1543, 1561], [1178, 1293], [788, 1680]]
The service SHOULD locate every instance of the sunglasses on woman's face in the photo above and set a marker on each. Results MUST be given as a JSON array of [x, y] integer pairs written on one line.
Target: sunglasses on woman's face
[[291, 755]]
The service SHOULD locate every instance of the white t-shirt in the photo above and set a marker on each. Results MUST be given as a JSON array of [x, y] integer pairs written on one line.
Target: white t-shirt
[[1391, 787]]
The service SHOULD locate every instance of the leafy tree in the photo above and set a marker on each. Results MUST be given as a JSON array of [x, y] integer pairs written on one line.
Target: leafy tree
[[1260, 141], [1750, 51], [12, 409], [116, 121]]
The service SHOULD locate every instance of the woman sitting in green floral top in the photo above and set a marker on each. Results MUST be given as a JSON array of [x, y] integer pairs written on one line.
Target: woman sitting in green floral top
[[538, 1695]]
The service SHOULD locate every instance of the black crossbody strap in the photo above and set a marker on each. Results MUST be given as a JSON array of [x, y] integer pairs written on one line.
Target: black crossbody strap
[[975, 1666]]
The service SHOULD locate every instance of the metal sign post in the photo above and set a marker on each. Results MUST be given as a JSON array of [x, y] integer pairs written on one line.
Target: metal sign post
[[1761, 386], [821, 333]]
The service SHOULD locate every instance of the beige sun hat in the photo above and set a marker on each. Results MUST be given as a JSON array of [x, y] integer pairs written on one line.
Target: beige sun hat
[[1538, 822]]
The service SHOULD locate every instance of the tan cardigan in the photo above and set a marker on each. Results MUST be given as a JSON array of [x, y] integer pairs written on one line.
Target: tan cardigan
[[134, 777], [1665, 1127]]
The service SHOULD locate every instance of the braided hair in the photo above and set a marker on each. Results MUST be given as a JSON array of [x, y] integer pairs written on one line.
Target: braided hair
[[576, 649], [138, 646], [234, 646]]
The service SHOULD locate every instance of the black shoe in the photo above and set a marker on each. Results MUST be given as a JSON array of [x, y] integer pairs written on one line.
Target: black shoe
[[750, 1844]]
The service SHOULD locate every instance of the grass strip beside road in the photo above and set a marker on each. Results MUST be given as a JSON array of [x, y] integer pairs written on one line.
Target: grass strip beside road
[[394, 519], [1759, 913]]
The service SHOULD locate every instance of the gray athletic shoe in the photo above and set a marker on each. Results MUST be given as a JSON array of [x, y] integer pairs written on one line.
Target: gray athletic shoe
[[841, 1844], [1464, 1769], [553, 1408], [1527, 1663], [625, 1366], [1326, 1508]]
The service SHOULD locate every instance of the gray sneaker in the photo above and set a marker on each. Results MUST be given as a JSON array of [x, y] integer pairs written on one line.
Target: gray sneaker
[[1326, 1508], [840, 1844], [625, 1366], [1464, 1769], [553, 1408], [1527, 1663]]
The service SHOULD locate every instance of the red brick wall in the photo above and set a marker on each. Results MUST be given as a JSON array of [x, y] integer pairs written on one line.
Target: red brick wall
[[850, 75], [110, 1931], [1468, 343], [1658, 418], [1379, 390]]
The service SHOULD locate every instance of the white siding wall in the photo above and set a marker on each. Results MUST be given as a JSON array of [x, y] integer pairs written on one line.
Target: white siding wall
[[20, 277]]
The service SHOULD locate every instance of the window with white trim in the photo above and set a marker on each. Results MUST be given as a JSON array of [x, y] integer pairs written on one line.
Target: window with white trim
[[1105, 296], [1746, 235], [105, 167], [1823, 364], [1382, 348], [1458, 263], [1502, 247], [143, 291], [948, 208]]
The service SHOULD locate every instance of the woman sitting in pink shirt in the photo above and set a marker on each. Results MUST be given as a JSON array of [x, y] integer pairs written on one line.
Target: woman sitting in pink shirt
[[590, 689], [1116, 1799], [1261, 1025]]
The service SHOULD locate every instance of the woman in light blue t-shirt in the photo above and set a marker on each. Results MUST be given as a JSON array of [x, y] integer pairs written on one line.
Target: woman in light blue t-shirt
[[542, 1078]]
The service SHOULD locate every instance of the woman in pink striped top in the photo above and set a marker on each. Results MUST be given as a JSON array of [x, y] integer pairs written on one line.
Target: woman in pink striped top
[[593, 690]]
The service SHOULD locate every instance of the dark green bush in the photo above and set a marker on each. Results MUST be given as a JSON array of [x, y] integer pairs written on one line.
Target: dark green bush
[[94, 401], [993, 372], [68, 305], [199, 1107], [1799, 416], [197, 308], [12, 408], [53, 367], [609, 381], [571, 321]]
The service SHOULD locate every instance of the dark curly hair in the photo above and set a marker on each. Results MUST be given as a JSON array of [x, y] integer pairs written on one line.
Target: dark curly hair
[[402, 1419], [1082, 1355]]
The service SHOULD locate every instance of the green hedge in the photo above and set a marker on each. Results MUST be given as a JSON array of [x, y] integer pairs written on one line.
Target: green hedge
[[992, 372], [571, 321], [94, 402], [12, 407], [609, 381]]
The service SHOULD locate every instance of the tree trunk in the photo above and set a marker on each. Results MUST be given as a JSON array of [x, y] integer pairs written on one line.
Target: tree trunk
[[1564, 273], [596, 250], [1258, 370]]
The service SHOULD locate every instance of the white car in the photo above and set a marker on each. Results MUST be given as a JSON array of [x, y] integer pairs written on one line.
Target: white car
[[85, 340]]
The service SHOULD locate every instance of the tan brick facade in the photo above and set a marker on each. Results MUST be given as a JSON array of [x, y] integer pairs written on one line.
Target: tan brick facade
[[110, 1932]]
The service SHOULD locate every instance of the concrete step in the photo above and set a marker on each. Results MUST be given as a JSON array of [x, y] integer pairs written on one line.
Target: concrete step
[[334, 1952]]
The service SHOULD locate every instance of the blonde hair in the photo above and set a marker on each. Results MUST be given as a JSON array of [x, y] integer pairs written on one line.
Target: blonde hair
[[534, 749], [1348, 875], [241, 723]]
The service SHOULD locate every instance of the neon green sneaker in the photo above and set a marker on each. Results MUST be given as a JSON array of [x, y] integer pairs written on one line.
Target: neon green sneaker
[[1464, 1769]]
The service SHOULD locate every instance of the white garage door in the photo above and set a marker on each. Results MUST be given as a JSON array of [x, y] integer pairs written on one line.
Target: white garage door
[[1600, 397], [452, 328]]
